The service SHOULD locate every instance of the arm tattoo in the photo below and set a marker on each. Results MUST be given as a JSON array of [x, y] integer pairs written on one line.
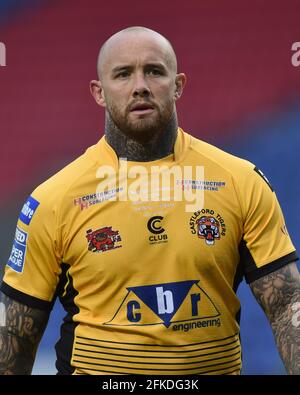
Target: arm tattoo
[[21, 328], [278, 294]]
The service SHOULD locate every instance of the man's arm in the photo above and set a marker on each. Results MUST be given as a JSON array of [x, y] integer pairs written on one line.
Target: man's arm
[[21, 328], [278, 294]]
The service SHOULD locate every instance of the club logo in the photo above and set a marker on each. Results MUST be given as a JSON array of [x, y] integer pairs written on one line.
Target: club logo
[[208, 225], [154, 226], [103, 239], [166, 304]]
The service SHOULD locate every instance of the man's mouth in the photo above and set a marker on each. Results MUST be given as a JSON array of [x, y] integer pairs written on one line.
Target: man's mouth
[[141, 108]]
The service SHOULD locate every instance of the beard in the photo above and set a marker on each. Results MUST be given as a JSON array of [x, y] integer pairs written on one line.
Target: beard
[[142, 128]]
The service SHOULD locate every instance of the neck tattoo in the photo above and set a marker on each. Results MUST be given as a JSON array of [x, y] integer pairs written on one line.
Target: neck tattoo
[[157, 146]]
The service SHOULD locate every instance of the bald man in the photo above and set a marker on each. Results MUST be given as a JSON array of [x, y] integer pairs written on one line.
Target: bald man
[[148, 283], [138, 87]]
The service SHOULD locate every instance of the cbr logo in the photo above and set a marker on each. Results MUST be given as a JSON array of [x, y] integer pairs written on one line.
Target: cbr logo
[[296, 56], [164, 304], [2, 54]]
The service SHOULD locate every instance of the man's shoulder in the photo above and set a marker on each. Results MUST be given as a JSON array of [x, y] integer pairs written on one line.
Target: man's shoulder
[[220, 158], [67, 178]]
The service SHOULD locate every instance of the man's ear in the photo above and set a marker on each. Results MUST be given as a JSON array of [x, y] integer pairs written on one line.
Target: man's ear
[[180, 82], [97, 92]]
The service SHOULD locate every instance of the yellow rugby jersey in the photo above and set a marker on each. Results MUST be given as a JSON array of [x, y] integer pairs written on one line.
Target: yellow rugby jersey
[[148, 286]]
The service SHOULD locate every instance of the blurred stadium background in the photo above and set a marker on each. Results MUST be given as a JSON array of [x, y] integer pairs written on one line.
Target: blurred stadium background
[[243, 95]]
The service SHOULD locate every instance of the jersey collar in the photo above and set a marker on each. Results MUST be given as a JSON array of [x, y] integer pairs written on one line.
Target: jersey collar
[[106, 155]]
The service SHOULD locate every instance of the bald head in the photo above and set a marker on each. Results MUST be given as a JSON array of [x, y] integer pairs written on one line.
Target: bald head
[[135, 34]]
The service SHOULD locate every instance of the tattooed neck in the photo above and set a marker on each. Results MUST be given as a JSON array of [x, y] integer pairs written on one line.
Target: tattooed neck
[[154, 147]]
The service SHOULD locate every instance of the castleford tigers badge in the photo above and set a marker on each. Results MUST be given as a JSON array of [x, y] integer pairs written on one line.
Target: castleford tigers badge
[[103, 239], [208, 225]]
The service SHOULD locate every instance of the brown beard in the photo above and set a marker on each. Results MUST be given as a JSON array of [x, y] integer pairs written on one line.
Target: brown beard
[[148, 146], [142, 130]]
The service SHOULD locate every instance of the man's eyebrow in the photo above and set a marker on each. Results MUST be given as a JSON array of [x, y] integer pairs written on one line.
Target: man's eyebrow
[[120, 68], [156, 64], [147, 65]]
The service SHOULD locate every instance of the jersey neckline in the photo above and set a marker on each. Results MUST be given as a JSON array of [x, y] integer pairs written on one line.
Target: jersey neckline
[[103, 153]]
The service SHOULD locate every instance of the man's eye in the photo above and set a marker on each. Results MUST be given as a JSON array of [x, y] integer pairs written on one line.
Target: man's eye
[[155, 72], [123, 74]]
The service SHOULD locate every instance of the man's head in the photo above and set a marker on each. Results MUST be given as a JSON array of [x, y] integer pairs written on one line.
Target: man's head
[[138, 81]]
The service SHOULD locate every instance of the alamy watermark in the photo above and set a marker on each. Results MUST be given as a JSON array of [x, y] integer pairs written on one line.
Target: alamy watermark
[[153, 184], [2, 54], [295, 59]]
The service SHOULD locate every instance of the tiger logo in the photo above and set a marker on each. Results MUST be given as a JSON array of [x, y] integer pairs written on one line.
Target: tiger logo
[[208, 228]]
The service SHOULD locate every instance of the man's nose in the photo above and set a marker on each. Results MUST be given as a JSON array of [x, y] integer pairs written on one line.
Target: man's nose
[[141, 87]]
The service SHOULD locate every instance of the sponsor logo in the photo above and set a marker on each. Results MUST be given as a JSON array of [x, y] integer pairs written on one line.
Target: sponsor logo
[[18, 252], [201, 185], [166, 304], [154, 226], [208, 225], [103, 239], [28, 210], [87, 201]]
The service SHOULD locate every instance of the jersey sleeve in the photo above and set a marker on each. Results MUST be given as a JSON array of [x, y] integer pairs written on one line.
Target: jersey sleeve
[[32, 270], [266, 244]]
